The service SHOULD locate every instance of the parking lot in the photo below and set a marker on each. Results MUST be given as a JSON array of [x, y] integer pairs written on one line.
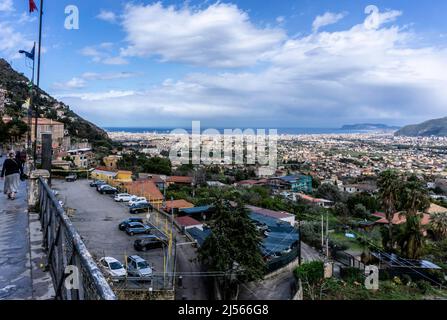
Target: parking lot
[[96, 217]]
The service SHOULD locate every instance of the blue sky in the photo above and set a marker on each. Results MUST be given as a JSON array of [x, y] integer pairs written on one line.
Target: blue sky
[[250, 63]]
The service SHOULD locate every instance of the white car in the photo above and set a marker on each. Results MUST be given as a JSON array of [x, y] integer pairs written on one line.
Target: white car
[[137, 200], [123, 197], [113, 267]]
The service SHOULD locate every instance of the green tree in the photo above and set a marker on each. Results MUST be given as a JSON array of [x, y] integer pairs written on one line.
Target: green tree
[[438, 225], [232, 249], [329, 192], [414, 201], [16, 129], [388, 183]]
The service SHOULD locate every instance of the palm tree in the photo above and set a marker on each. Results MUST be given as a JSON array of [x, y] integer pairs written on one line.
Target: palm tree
[[414, 200], [388, 184], [438, 224]]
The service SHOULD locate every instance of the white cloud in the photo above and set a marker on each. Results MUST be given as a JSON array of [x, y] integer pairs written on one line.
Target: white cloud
[[118, 61], [6, 6], [108, 76], [11, 41], [97, 96], [74, 83], [26, 18], [322, 79], [103, 53], [107, 16], [326, 19], [220, 35]]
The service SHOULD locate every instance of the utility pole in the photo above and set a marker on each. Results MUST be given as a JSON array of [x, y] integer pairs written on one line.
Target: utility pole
[[322, 232]]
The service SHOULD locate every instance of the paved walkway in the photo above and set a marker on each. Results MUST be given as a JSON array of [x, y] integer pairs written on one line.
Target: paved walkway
[[20, 276]]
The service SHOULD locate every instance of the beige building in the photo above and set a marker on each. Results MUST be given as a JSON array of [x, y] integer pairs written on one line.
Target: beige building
[[48, 126], [111, 161]]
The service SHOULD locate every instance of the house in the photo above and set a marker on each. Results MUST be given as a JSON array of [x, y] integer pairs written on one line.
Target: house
[[48, 126], [179, 180], [324, 203], [103, 174], [177, 205], [81, 157], [251, 183], [186, 222], [111, 161], [159, 180], [147, 189], [295, 183], [62, 164], [279, 215]]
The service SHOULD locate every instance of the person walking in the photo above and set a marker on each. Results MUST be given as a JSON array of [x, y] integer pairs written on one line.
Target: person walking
[[12, 170]]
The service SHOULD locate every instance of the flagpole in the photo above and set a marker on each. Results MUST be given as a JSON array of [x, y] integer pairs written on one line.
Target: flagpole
[[38, 83], [30, 110]]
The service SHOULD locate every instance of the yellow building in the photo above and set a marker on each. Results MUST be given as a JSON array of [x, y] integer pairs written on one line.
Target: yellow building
[[114, 178], [123, 176]]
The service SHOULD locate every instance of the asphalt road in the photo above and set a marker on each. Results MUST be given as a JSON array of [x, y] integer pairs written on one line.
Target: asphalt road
[[280, 286], [96, 217]]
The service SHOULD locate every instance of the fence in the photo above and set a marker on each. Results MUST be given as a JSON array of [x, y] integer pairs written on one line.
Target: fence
[[347, 260], [65, 248]]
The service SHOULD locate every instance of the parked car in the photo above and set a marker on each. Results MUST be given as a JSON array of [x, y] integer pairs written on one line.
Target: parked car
[[123, 225], [97, 182], [113, 267], [106, 189], [101, 185], [138, 267], [123, 197], [71, 178], [136, 200], [137, 228], [149, 242], [140, 207]]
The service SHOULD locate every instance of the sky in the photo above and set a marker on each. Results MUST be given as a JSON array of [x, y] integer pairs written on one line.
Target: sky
[[246, 63]]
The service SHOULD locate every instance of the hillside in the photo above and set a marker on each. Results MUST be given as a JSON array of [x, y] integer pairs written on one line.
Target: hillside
[[16, 85], [436, 127]]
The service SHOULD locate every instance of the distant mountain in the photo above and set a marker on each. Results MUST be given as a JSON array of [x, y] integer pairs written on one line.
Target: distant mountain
[[368, 126], [16, 86], [436, 127]]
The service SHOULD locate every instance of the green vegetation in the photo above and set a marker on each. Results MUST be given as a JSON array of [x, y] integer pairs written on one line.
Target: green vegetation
[[138, 163], [12, 131], [232, 249], [351, 286]]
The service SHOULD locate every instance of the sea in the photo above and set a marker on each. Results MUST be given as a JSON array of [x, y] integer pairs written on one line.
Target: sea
[[283, 131]]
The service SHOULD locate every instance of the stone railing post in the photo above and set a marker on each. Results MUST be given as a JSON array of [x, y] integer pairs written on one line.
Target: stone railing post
[[33, 192]]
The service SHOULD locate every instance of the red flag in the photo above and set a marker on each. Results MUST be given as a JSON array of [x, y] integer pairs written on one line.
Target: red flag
[[32, 6]]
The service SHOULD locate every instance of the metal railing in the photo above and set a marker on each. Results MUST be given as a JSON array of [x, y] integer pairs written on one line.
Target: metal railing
[[82, 280]]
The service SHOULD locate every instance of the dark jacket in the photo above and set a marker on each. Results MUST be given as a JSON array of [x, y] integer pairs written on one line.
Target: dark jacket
[[11, 166]]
